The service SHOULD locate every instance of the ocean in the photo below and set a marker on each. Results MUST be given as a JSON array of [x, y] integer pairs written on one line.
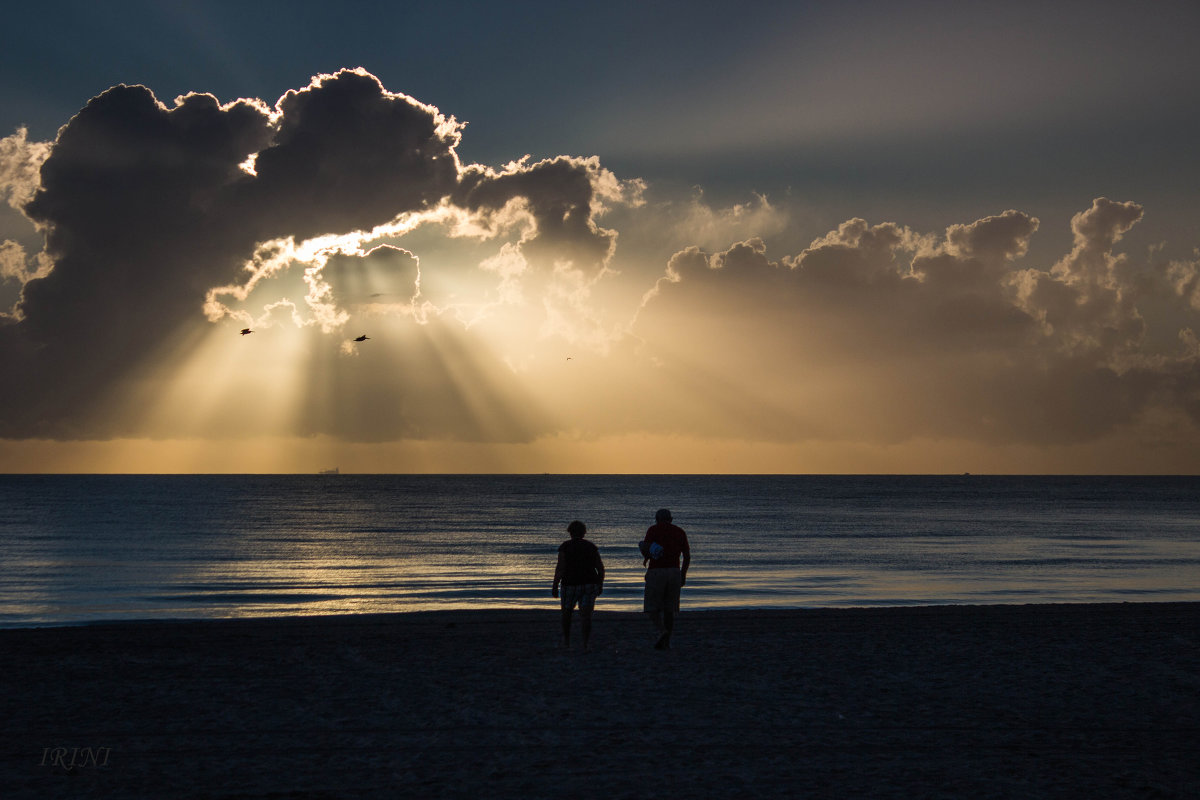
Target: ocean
[[77, 549]]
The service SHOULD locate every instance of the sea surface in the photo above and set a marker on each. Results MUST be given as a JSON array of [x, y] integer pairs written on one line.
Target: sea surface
[[86, 548]]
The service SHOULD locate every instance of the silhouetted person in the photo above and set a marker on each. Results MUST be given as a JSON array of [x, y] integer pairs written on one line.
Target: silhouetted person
[[661, 549], [581, 573]]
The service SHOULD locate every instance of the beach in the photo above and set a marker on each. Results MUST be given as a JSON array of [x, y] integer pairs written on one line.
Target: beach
[[1005, 701]]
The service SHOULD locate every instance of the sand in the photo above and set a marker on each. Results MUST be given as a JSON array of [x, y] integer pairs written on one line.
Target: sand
[[1084, 701]]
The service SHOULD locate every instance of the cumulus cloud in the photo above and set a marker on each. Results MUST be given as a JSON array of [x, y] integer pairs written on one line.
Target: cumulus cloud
[[155, 214], [1184, 278], [345, 154], [712, 228], [383, 276], [344, 208], [16, 265], [20, 161], [877, 332]]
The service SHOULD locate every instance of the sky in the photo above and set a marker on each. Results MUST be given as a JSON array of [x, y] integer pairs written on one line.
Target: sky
[[854, 237]]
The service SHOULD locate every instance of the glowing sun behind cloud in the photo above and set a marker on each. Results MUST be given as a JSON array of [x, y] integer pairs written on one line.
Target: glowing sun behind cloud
[[549, 315]]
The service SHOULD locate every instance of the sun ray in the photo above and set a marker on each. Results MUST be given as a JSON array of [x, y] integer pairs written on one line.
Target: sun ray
[[230, 384]]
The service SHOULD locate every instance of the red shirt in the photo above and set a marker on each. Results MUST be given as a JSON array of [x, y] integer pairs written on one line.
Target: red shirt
[[674, 542]]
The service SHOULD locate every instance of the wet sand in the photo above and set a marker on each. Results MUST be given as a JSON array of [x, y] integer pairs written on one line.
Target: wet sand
[[1032, 701]]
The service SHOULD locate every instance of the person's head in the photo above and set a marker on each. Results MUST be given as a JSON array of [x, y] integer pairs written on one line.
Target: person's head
[[577, 529], [662, 515]]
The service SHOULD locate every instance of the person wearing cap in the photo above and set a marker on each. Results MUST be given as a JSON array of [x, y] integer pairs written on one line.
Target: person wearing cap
[[581, 573], [665, 544]]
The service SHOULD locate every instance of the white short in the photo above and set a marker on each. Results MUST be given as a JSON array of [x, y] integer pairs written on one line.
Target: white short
[[663, 585]]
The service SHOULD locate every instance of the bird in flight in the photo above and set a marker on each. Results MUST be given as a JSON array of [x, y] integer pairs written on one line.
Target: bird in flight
[[362, 338], [246, 330]]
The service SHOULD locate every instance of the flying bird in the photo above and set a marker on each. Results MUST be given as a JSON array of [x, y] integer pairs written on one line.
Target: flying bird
[[362, 338], [246, 330]]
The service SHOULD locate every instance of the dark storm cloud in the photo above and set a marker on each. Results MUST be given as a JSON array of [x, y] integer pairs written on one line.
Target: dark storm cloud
[[126, 205], [145, 208], [348, 155]]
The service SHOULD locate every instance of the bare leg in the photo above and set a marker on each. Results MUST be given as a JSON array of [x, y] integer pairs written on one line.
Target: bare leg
[[566, 627], [662, 622], [585, 619], [664, 640]]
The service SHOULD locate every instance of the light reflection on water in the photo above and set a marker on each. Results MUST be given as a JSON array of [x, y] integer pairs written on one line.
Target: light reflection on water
[[79, 548]]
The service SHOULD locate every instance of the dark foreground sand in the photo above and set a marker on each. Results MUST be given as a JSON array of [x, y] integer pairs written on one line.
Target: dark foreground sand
[[1089, 701]]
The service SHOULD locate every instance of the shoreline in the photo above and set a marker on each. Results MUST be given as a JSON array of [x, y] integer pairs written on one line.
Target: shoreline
[[1062, 700], [550, 607]]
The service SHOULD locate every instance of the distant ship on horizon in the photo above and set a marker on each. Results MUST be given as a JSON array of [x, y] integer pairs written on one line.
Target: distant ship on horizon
[[333, 471]]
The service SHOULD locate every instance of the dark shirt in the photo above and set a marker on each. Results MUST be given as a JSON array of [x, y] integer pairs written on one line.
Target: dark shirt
[[580, 562], [674, 542]]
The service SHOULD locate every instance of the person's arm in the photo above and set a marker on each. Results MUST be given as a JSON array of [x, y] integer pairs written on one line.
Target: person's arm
[[599, 572], [558, 571], [687, 559]]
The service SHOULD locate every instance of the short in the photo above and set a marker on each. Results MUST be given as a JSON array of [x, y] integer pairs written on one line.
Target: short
[[582, 595], [663, 585]]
